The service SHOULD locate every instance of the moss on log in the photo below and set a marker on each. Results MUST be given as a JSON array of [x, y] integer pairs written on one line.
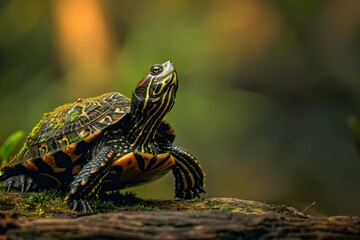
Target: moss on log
[[213, 218]]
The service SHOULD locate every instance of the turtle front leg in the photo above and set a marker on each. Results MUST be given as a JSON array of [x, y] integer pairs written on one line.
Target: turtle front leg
[[22, 182], [86, 184], [189, 178]]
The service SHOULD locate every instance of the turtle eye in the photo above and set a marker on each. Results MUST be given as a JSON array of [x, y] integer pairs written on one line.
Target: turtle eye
[[156, 69]]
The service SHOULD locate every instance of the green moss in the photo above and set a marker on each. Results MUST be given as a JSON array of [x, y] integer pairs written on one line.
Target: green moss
[[7, 203], [122, 198], [100, 204], [75, 139], [42, 203], [51, 204], [74, 115], [58, 123], [143, 208], [35, 129], [22, 149], [227, 207], [37, 204]]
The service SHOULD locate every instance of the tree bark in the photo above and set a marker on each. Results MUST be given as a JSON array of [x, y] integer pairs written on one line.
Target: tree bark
[[282, 223]]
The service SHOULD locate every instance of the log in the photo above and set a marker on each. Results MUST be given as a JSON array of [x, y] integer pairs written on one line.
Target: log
[[265, 221], [184, 225]]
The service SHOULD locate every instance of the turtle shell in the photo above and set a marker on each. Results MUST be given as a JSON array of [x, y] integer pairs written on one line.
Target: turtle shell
[[71, 123]]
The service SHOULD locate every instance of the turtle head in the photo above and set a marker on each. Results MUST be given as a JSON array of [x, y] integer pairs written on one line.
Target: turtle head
[[154, 96], [151, 100]]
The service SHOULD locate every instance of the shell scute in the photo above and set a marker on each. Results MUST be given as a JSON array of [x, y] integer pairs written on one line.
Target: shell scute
[[71, 123]]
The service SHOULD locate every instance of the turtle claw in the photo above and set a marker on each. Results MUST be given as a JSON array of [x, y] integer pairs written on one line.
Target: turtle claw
[[190, 193], [22, 182], [75, 204], [30, 183], [8, 184], [81, 205]]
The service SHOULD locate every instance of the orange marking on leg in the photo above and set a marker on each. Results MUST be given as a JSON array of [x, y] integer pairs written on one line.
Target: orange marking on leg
[[84, 181]]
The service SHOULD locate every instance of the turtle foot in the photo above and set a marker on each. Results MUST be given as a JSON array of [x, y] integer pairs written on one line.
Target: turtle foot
[[22, 182], [80, 206], [190, 193]]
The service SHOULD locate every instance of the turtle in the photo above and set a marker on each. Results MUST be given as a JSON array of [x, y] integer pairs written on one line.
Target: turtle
[[99, 145]]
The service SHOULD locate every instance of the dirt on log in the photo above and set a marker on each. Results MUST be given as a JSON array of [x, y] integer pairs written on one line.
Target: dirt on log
[[219, 218]]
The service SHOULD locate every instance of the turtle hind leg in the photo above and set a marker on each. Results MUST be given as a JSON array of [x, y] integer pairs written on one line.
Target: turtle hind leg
[[22, 182], [86, 184], [189, 178]]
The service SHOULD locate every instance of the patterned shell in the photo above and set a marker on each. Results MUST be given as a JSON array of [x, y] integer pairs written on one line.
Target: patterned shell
[[72, 123]]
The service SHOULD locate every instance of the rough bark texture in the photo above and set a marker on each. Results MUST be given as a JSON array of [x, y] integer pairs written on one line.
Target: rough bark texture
[[264, 222]]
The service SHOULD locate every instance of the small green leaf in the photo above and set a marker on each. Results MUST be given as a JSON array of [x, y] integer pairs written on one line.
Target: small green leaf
[[10, 143]]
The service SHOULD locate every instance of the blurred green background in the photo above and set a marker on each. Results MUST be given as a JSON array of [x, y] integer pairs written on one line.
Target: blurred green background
[[265, 86]]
